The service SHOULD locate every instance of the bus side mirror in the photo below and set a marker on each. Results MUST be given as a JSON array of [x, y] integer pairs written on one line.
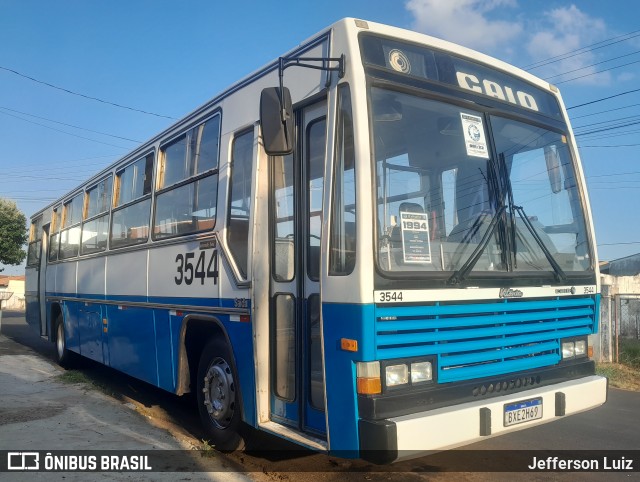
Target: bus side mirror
[[553, 168], [276, 121]]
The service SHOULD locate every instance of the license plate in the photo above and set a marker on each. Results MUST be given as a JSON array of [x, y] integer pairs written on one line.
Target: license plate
[[522, 411]]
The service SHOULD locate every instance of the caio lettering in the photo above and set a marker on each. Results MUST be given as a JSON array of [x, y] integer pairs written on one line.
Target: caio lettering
[[493, 89]]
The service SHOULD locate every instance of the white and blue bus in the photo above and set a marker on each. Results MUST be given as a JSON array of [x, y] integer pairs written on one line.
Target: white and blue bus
[[377, 246]]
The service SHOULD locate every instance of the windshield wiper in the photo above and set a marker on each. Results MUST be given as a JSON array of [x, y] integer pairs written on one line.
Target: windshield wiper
[[460, 274], [511, 237], [560, 274], [506, 181]]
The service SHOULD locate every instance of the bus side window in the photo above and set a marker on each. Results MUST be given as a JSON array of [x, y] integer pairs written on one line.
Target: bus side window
[[54, 239], [240, 199], [95, 228], [132, 205], [35, 240], [187, 191], [70, 235]]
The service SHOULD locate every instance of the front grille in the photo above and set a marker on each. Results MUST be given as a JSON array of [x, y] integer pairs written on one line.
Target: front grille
[[475, 340]]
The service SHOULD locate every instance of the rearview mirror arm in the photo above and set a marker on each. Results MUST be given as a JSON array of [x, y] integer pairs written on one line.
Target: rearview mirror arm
[[286, 62]]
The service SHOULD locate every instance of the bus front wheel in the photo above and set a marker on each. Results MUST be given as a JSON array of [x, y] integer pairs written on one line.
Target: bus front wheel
[[218, 397]]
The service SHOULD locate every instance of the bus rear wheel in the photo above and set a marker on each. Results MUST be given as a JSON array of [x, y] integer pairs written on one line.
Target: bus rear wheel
[[64, 357], [218, 397]]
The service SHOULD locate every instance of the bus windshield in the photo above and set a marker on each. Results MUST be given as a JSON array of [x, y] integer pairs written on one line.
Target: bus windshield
[[459, 188]]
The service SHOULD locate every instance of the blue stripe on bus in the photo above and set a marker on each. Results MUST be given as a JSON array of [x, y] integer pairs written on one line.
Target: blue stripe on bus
[[144, 341]]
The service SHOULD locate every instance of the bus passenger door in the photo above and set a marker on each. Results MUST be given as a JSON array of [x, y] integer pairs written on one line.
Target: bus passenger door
[[296, 180], [36, 309], [42, 280]]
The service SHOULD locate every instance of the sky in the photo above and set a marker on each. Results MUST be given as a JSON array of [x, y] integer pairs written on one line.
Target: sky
[[157, 60]]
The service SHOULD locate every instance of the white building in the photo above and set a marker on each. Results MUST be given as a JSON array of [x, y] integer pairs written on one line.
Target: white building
[[14, 284], [619, 305]]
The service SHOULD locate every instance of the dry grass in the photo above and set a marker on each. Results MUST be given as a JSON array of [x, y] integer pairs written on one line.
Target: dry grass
[[89, 382], [626, 374], [620, 376]]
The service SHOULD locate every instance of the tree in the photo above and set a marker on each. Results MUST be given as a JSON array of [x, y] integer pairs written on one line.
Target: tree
[[13, 233]]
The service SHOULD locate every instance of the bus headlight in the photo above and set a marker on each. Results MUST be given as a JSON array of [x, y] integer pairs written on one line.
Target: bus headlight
[[378, 377], [396, 375], [421, 372], [576, 348], [581, 348], [568, 350]]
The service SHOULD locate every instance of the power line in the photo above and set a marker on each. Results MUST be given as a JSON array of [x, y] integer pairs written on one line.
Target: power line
[[592, 65], [64, 132], [617, 188], [615, 244], [69, 125], [32, 199], [603, 98], [610, 128], [57, 165], [582, 50], [619, 181], [83, 95], [22, 191], [80, 170], [608, 136], [17, 177], [617, 145], [604, 111], [615, 174], [619, 119], [598, 72]]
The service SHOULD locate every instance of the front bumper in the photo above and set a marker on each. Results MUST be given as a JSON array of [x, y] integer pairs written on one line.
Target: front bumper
[[408, 436]]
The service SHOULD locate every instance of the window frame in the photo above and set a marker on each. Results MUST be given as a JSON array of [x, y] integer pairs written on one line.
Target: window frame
[[309, 269], [35, 239], [337, 264], [116, 194], [117, 188], [107, 212], [93, 187], [56, 222], [65, 229], [195, 178], [240, 273]]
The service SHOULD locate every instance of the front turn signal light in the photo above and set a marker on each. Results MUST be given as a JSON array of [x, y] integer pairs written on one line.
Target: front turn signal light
[[368, 378]]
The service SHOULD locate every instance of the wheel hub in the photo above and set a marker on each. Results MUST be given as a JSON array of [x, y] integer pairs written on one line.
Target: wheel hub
[[219, 393]]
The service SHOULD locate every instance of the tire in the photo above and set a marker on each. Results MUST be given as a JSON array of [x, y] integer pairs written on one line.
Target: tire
[[65, 358], [219, 398]]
